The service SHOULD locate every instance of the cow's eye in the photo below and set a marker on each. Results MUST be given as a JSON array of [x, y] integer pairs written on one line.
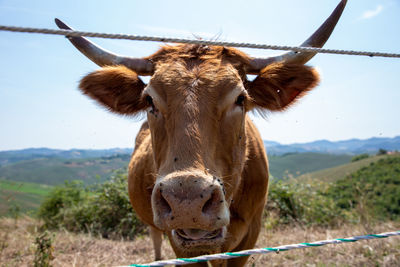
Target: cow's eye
[[240, 100], [149, 101], [153, 110]]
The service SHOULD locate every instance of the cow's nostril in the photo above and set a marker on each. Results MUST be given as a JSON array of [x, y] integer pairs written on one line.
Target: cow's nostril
[[164, 207], [207, 206], [212, 203]]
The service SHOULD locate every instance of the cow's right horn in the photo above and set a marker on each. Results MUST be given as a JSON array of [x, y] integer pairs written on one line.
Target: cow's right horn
[[317, 39]]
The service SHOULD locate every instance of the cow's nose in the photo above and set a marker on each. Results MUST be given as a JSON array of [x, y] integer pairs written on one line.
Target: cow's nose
[[186, 201]]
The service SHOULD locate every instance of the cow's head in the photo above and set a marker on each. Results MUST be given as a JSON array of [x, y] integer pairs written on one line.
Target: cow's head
[[196, 103]]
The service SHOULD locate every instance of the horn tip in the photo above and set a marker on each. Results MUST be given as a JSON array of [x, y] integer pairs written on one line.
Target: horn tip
[[61, 24]]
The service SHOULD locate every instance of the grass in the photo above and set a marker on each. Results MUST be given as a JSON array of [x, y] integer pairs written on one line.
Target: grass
[[17, 247], [27, 197], [382, 252], [31, 188], [341, 171]]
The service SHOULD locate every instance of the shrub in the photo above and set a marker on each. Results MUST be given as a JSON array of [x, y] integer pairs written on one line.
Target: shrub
[[381, 151], [44, 250], [61, 198], [373, 190], [359, 157], [302, 203], [101, 209]]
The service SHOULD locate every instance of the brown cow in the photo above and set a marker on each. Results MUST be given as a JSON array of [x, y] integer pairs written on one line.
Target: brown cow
[[199, 172]]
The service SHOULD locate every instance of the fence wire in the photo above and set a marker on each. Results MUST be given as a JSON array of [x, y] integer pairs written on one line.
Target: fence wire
[[70, 33], [244, 253]]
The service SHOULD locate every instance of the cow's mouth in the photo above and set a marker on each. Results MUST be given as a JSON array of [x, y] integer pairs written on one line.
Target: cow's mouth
[[190, 238]]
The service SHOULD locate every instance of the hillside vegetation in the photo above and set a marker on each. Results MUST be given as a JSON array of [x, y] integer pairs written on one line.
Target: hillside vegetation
[[295, 164], [339, 172], [367, 195], [374, 189], [21, 197], [101, 209]]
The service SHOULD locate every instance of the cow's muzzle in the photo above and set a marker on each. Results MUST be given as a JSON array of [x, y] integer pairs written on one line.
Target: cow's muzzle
[[191, 204], [190, 239]]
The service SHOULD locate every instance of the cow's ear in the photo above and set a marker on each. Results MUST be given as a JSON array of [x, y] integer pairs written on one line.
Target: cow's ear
[[279, 85], [117, 88]]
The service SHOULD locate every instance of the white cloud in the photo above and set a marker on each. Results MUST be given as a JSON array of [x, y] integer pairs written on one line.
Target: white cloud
[[372, 13]]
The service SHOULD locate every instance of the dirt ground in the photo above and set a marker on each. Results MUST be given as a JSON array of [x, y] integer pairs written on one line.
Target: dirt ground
[[17, 247]]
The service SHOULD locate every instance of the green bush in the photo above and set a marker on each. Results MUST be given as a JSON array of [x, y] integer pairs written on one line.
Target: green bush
[[368, 195], [60, 199], [359, 157], [101, 209], [374, 189], [302, 203], [381, 151]]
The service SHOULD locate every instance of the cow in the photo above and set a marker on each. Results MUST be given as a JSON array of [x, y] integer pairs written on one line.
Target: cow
[[199, 170]]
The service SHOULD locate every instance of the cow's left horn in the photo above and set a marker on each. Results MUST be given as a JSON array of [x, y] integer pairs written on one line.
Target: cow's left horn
[[317, 39], [103, 57]]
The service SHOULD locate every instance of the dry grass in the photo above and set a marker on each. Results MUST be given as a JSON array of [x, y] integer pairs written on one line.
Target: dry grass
[[382, 252], [17, 247]]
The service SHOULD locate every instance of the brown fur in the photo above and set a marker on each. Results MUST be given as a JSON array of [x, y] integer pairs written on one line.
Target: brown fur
[[117, 88], [196, 132], [279, 85]]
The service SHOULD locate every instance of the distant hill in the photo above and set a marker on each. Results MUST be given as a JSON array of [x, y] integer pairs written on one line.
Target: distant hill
[[295, 164], [339, 172], [53, 166], [352, 146], [12, 156], [53, 171]]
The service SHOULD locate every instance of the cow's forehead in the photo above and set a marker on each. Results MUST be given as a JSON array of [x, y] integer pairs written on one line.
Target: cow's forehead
[[210, 74], [199, 52]]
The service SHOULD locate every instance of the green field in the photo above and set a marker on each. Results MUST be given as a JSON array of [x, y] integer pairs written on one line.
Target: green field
[[295, 164], [27, 197], [54, 171], [335, 173]]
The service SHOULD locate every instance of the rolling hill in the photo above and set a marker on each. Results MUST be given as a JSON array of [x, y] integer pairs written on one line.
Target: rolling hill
[[13, 156], [53, 171], [295, 164], [339, 172], [352, 146]]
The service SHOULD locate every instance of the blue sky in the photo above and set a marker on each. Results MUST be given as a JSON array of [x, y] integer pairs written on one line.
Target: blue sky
[[40, 105]]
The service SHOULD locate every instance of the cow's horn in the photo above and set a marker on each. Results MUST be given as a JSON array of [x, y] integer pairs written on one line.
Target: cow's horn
[[103, 57], [318, 39]]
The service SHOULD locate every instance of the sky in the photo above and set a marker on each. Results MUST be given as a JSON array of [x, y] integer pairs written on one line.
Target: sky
[[40, 105]]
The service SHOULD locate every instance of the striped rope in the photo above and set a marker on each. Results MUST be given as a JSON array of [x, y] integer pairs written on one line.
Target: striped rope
[[70, 33], [229, 255]]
